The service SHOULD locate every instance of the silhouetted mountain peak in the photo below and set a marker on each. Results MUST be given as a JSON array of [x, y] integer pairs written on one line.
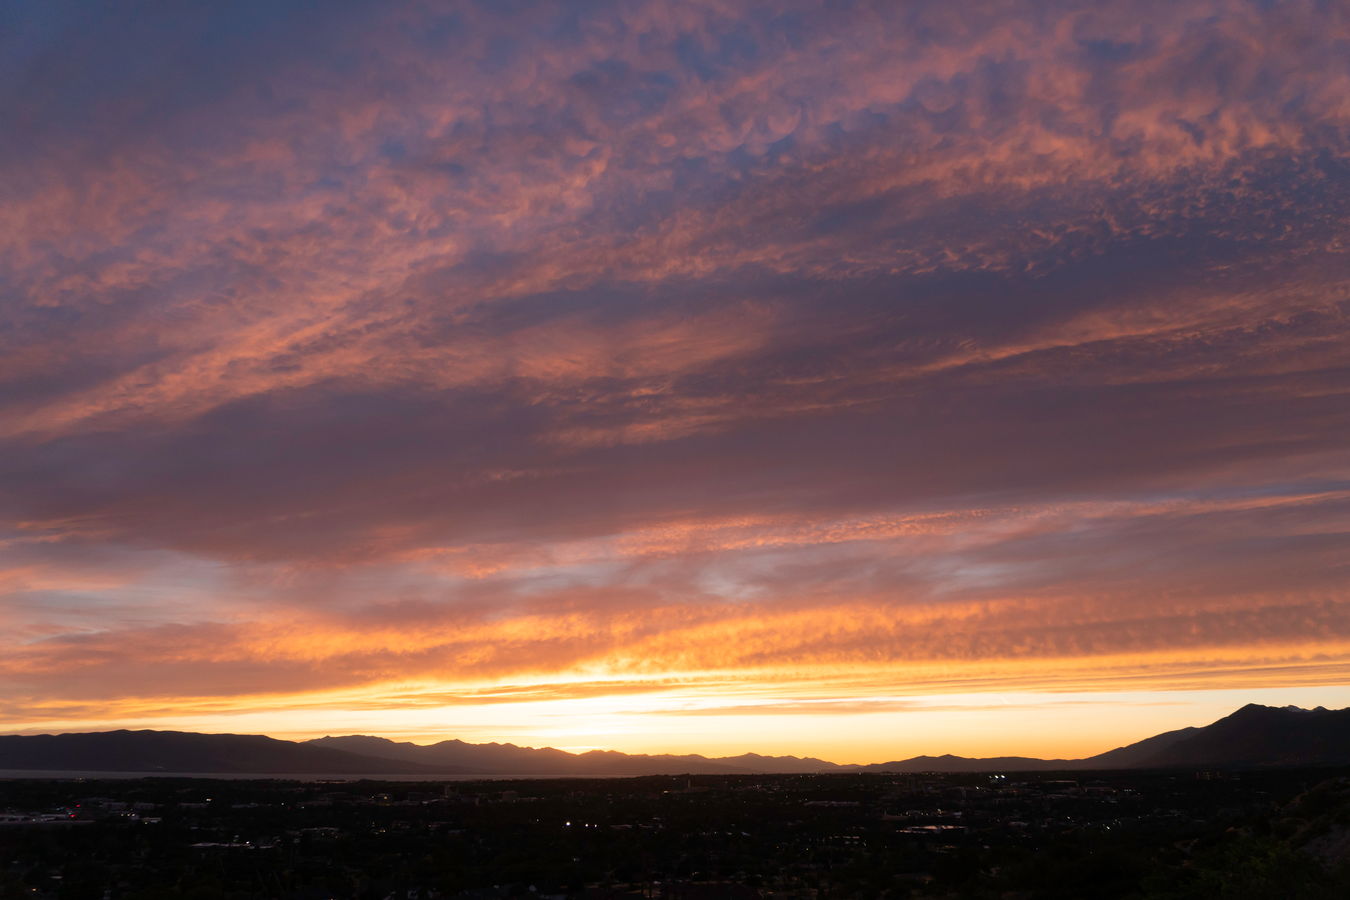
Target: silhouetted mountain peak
[[1257, 709], [1254, 735], [185, 751]]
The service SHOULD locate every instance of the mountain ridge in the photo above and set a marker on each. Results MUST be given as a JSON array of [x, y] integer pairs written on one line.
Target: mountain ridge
[[1253, 736], [149, 751]]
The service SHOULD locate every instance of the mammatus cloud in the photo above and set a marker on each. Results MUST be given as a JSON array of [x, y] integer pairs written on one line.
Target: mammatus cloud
[[404, 353]]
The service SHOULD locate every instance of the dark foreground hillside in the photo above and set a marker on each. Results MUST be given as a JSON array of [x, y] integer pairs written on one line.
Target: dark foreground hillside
[[1281, 835]]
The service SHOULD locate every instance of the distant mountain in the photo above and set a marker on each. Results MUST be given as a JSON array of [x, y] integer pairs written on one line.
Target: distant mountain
[[178, 751], [1140, 753], [1254, 736], [453, 753], [508, 759], [949, 763], [784, 765]]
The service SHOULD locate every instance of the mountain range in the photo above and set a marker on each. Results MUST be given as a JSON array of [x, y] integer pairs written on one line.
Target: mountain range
[[1253, 736]]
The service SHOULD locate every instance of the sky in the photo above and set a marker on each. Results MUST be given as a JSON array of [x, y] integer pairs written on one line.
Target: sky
[[844, 379]]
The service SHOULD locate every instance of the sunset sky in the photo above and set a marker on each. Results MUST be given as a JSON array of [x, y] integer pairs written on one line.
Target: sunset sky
[[848, 379]]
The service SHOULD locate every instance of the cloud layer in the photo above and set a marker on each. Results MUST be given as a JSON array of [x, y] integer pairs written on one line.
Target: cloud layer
[[407, 350]]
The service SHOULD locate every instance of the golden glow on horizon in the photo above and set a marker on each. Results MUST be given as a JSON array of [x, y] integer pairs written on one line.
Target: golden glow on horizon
[[876, 729], [1051, 709]]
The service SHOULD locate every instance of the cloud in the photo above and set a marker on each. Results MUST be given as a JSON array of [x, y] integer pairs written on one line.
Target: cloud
[[463, 345]]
